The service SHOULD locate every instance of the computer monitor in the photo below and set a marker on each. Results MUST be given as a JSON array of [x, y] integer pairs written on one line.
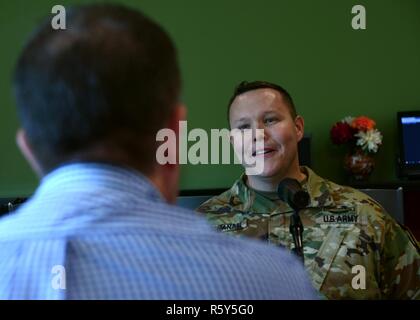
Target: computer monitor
[[409, 136]]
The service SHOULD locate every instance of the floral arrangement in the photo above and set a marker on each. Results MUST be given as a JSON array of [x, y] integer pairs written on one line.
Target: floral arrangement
[[358, 133]]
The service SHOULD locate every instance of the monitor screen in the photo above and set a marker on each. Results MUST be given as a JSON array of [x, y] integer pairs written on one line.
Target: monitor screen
[[409, 132]]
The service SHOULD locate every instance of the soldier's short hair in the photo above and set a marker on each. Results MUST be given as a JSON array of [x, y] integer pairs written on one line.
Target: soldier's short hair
[[246, 86]]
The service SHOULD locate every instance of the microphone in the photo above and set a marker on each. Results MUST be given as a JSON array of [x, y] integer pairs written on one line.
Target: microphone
[[291, 192]]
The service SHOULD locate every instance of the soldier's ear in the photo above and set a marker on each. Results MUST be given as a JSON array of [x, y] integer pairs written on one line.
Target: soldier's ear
[[300, 127]]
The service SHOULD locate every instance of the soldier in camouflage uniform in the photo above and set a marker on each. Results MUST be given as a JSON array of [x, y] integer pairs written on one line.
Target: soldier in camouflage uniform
[[343, 228]]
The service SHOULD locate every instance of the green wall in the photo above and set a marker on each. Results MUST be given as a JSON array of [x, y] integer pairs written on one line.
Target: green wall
[[308, 47]]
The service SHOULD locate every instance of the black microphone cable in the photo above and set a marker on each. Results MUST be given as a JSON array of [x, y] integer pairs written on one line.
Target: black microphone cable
[[291, 192]]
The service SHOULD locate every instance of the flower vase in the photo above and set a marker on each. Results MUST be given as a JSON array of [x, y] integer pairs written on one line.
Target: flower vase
[[359, 165]]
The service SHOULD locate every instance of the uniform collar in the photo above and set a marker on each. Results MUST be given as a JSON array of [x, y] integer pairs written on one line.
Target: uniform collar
[[317, 187]]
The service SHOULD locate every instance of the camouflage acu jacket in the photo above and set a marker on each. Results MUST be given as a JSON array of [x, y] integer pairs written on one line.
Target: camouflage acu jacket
[[343, 229]]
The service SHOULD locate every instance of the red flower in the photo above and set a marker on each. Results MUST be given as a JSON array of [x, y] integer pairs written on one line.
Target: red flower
[[341, 133], [363, 123]]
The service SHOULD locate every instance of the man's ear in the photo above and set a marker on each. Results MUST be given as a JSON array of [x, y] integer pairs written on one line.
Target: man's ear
[[166, 176], [300, 127], [26, 149], [178, 114]]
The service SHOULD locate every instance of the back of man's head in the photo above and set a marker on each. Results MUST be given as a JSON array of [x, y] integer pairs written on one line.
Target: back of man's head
[[103, 85]]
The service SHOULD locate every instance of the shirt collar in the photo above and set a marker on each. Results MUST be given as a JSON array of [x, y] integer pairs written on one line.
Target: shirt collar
[[85, 177]]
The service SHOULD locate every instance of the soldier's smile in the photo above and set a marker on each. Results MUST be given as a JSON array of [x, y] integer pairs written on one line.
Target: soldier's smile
[[266, 153]]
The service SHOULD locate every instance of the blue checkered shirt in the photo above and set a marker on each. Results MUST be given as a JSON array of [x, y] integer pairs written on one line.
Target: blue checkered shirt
[[97, 231]]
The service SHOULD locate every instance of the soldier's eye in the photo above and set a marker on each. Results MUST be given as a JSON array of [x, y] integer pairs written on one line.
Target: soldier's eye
[[244, 126], [270, 120]]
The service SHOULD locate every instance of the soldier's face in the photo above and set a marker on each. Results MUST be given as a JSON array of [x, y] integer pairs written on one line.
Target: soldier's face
[[265, 109]]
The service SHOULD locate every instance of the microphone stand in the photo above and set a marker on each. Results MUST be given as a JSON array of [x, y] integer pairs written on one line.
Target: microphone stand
[[296, 229], [290, 191]]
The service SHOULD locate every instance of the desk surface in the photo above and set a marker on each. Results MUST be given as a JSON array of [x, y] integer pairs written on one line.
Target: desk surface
[[405, 184]]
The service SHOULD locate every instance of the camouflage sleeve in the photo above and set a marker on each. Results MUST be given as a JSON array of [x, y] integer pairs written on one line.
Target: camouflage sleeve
[[400, 274], [203, 208], [216, 205], [212, 210], [207, 208]]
